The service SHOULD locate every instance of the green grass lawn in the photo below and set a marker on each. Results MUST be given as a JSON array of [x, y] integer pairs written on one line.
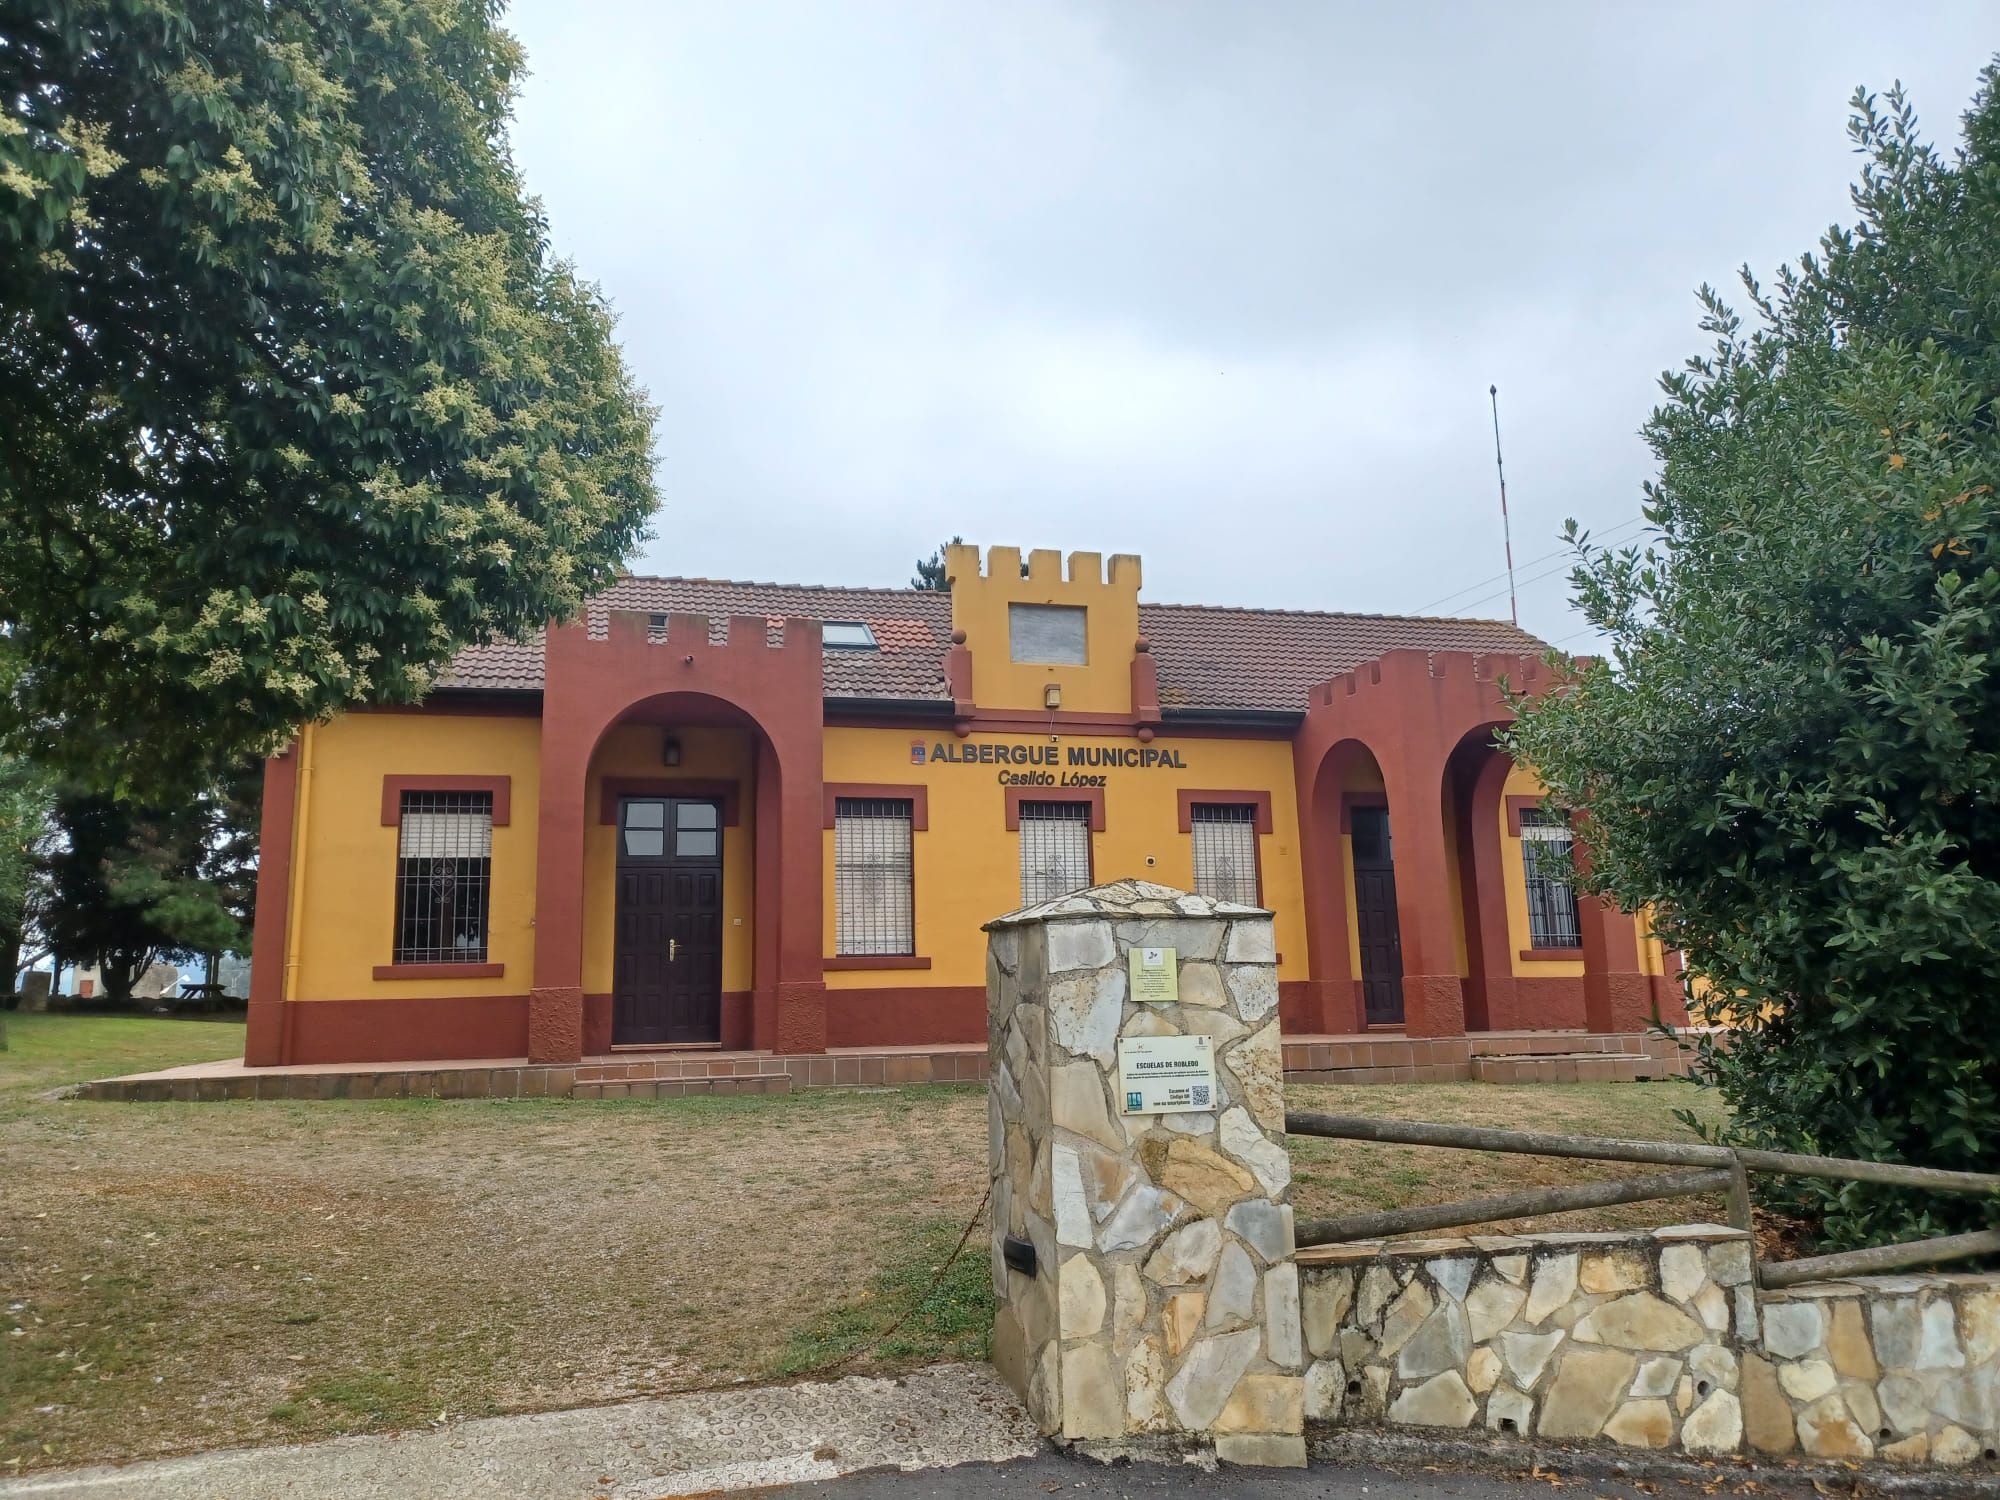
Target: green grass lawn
[[46, 1051], [190, 1276]]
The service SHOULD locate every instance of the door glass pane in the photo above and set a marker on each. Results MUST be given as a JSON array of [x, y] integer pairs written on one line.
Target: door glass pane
[[645, 814], [697, 841], [646, 843], [694, 815]]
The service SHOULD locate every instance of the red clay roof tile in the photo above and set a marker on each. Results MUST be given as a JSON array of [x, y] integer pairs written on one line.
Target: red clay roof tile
[[1209, 657]]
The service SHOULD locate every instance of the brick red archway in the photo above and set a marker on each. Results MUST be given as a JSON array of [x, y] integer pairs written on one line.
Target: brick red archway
[[606, 670]]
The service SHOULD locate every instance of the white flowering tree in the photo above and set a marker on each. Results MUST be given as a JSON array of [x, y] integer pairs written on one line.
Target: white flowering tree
[[294, 400]]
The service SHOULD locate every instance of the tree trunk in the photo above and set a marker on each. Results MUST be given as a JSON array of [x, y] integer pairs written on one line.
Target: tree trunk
[[121, 971], [10, 964]]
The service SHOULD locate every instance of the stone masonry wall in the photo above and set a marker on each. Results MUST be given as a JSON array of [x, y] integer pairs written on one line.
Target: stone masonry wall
[[1904, 1368], [1564, 1336], [1651, 1340], [1165, 1304]]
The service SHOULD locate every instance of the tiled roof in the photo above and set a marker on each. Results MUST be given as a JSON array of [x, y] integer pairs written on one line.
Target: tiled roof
[[1209, 657]]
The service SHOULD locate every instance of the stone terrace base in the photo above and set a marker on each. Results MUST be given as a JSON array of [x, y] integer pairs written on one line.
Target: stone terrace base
[[1378, 1057], [1485, 1056], [617, 1075]]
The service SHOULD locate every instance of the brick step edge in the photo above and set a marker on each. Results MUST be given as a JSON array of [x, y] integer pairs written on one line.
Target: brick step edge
[[675, 1088]]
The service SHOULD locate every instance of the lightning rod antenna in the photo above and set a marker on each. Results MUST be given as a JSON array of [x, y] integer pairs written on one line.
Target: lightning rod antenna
[[1506, 526]]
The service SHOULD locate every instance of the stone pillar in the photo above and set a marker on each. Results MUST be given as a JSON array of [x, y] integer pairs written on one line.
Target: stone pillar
[[1163, 1302]]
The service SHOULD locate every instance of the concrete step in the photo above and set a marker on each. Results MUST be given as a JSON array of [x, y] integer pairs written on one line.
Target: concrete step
[[675, 1088]]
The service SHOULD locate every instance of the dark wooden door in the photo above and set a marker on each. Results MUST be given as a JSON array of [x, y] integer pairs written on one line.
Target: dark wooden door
[[667, 985], [1375, 917]]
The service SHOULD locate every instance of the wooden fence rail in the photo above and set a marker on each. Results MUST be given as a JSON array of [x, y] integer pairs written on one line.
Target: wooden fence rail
[[1726, 1170]]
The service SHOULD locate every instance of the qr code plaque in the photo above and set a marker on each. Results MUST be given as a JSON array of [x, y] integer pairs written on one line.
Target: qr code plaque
[[1198, 1095]]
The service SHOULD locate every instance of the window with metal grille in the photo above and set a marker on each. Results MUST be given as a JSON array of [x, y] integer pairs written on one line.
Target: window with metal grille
[[1552, 920], [1225, 850], [444, 876], [874, 909], [1055, 850]]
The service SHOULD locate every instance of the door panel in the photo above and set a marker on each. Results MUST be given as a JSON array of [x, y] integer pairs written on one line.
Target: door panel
[[1375, 920], [668, 958]]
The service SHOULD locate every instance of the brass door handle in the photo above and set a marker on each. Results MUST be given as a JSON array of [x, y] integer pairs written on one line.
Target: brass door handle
[[673, 949]]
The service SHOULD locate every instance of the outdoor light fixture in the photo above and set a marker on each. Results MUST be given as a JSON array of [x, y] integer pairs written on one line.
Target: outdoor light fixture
[[1052, 696], [670, 753]]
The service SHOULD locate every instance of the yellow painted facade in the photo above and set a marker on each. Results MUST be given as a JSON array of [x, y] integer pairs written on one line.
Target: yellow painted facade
[[1109, 597], [968, 867]]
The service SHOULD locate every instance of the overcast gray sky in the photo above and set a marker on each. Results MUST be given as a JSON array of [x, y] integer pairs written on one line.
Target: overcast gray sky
[[1220, 284]]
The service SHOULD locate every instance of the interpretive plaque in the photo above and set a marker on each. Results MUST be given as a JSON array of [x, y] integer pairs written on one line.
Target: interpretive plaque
[[1156, 976], [1166, 1075]]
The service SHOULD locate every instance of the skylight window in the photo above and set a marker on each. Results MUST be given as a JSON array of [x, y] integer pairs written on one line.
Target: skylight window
[[847, 635]]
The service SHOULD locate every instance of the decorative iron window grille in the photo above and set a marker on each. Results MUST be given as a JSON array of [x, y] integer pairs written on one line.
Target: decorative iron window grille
[[444, 877], [1225, 851], [1545, 846], [873, 877], [1055, 850]]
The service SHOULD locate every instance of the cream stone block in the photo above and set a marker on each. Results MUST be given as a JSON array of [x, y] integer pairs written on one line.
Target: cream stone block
[[1207, 1375], [1554, 1284], [1729, 1262], [1906, 1402], [1283, 1343], [1452, 1275], [1641, 1424], [1265, 1227], [1527, 1355], [1828, 1430], [1954, 1447], [1205, 1178], [1187, 1255], [1258, 1065], [1251, 943], [1234, 1294], [1269, 1161], [1441, 1401], [1491, 1306], [1254, 988], [1140, 1217], [1325, 1298], [1793, 1330], [1084, 1010], [1683, 1271], [1406, 1315], [1656, 1377], [1081, 1298], [1128, 1303], [1093, 1404], [1847, 1342], [1713, 1365], [1261, 1450], [1513, 1267], [1325, 1390], [1807, 1379], [1911, 1450], [1182, 1319], [1507, 1410], [1201, 985], [1619, 1270], [1377, 1287], [1979, 1314], [1639, 1320], [1077, 1102], [1586, 1389], [1146, 1385], [1264, 1403], [1938, 1348], [1079, 945], [1711, 1305], [1072, 1211], [1482, 1371], [1715, 1427]]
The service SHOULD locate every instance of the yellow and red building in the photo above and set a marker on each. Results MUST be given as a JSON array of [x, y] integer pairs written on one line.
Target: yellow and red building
[[768, 817]]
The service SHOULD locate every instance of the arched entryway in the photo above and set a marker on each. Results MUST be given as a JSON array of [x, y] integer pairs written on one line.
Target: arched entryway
[[678, 864]]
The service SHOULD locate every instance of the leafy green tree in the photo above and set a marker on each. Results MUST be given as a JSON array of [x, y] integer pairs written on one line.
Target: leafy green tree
[[129, 885], [294, 400], [930, 570], [1791, 745]]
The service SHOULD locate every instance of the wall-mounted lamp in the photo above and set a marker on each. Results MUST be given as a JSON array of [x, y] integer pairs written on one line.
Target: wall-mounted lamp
[[670, 753], [1052, 696]]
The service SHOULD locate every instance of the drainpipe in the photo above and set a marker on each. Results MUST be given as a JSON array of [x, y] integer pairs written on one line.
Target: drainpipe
[[295, 927]]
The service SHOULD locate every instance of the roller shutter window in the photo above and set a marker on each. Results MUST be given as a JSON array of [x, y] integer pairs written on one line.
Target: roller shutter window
[[1055, 850], [444, 877], [1225, 851], [873, 877]]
